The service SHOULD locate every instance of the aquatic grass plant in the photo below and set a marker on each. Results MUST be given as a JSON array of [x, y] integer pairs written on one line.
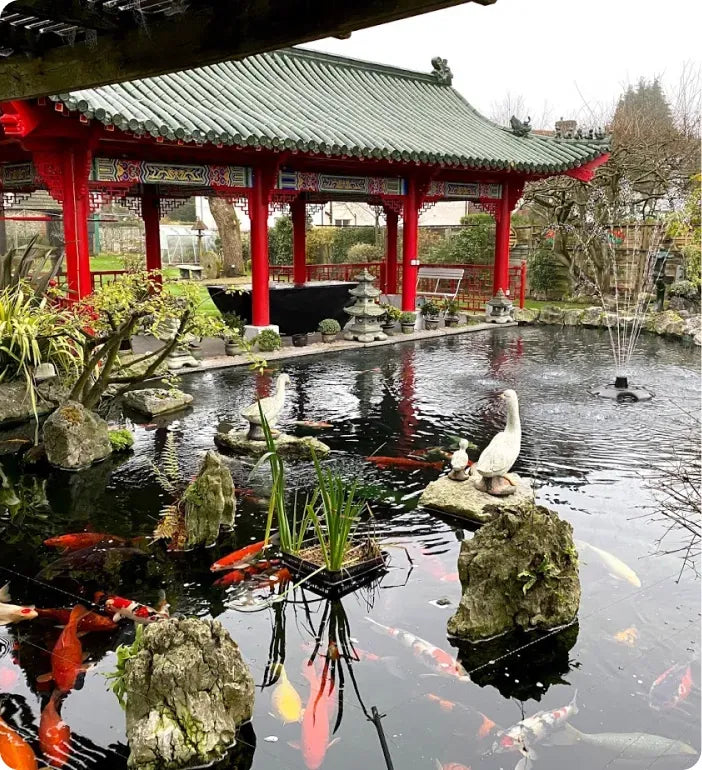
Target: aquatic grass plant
[[332, 510]]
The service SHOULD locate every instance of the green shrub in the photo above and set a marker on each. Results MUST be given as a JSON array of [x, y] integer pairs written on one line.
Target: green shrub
[[235, 322], [693, 267], [268, 340], [548, 278], [408, 317], [473, 244], [684, 289], [451, 307], [280, 242], [345, 237], [121, 439], [364, 252], [392, 313], [329, 326]]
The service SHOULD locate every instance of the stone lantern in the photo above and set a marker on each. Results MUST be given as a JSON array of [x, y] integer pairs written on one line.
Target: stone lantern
[[499, 309], [365, 312]]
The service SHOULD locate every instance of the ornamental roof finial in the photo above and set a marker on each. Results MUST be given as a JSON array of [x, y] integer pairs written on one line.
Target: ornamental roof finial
[[441, 71], [519, 128]]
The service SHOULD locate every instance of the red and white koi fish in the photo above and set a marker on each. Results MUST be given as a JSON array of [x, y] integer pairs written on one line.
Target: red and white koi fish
[[15, 752], [13, 613], [74, 541], [139, 613], [241, 558], [450, 766], [403, 462], [54, 733], [671, 688], [523, 736], [432, 656], [90, 622]]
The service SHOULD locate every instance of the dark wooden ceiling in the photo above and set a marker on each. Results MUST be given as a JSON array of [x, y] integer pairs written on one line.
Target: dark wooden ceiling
[[55, 46]]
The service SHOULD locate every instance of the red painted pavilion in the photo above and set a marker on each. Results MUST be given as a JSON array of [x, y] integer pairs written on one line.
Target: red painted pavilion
[[290, 128]]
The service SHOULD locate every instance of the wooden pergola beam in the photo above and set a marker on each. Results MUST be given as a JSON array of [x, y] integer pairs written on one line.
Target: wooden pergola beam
[[67, 12], [206, 33]]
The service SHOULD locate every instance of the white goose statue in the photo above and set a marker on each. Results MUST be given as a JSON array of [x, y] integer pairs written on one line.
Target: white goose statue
[[502, 452], [271, 407], [459, 462]]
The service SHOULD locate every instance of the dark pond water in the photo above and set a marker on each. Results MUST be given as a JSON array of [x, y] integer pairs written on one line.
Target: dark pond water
[[589, 458]]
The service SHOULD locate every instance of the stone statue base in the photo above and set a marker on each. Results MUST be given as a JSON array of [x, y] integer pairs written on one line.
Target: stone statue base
[[289, 447], [464, 499], [365, 337], [498, 486], [459, 475], [179, 359]]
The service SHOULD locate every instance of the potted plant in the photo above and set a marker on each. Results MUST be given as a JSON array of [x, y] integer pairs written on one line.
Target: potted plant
[[407, 321], [233, 332], [231, 345], [268, 340], [329, 328], [317, 537], [451, 312], [430, 310], [391, 317], [299, 340]]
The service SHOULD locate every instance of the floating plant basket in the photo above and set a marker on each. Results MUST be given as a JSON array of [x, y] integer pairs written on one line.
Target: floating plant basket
[[365, 561]]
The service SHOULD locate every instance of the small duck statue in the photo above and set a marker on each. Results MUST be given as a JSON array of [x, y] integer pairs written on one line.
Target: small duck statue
[[501, 453], [459, 462], [272, 408]]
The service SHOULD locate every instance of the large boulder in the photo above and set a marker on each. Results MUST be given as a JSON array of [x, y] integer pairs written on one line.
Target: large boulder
[[519, 572], [524, 315], [572, 317], [75, 438], [187, 691], [693, 329], [16, 403], [155, 401], [591, 317], [462, 498], [551, 315], [209, 502]]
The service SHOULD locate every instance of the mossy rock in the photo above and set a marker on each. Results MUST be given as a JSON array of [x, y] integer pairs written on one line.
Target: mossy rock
[[519, 572], [551, 315], [525, 315], [289, 447]]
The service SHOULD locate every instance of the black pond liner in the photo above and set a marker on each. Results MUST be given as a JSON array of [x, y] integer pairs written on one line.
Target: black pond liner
[[339, 583]]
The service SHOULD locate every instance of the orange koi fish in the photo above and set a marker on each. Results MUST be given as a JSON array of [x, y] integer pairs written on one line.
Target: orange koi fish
[[92, 621], [231, 578], [67, 655], [280, 577], [54, 733], [671, 688], [76, 540], [315, 723], [239, 559], [486, 726], [432, 656], [402, 462], [139, 613], [15, 752]]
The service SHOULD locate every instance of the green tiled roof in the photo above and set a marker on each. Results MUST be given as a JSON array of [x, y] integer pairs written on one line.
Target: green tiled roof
[[318, 103]]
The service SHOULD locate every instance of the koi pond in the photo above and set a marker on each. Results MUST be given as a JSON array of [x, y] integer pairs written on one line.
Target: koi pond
[[632, 657]]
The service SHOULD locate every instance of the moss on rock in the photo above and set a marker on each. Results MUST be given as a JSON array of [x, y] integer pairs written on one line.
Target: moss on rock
[[520, 571]]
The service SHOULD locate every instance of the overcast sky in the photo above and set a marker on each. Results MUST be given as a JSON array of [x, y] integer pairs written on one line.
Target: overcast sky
[[559, 53]]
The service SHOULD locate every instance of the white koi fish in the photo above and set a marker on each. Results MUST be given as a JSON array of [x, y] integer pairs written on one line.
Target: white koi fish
[[13, 613], [617, 568], [523, 736], [434, 657]]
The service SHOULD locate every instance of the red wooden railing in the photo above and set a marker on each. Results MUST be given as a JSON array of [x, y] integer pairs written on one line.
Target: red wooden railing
[[99, 277], [344, 271], [474, 291]]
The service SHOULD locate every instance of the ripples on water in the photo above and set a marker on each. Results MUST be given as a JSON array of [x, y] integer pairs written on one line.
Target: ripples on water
[[588, 458]]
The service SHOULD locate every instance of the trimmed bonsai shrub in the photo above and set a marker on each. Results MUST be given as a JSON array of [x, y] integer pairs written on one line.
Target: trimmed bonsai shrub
[[234, 322], [364, 252], [408, 318], [451, 307], [392, 313], [430, 309], [329, 326], [268, 340], [121, 439]]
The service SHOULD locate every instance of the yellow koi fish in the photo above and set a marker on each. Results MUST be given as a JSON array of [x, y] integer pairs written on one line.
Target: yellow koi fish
[[285, 699], [629, 636], [616, 566]]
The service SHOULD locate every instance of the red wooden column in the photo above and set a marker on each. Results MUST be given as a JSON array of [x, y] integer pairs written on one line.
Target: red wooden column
[[409, 245], [391, 218], [299, 223], [263, 180], [502, 219], [151, 214], [76, 209]]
